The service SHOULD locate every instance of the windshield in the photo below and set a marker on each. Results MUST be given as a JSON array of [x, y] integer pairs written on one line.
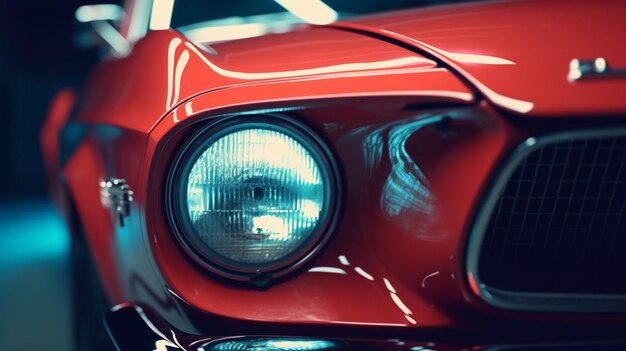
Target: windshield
[[206, 21], [188, 12]]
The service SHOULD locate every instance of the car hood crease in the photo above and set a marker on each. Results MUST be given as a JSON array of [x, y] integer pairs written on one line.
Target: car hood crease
[[518, 54]]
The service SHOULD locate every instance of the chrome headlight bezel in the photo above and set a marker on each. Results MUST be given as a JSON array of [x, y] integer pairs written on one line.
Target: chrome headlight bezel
[[176, 198]]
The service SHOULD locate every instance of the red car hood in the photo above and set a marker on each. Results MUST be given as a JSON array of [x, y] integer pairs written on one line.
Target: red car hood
[[518, 53]]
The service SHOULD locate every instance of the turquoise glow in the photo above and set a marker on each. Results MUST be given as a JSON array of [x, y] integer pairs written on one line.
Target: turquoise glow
[[35, 302], [274, 344], [30, 230]]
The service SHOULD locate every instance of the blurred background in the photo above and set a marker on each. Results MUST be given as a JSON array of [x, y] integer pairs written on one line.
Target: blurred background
[[37, 58]]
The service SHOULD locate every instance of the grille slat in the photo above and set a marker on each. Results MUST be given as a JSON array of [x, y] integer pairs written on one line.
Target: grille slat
[[558, 224]]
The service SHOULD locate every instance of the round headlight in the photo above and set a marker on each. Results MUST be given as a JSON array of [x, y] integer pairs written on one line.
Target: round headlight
[[254, 196]]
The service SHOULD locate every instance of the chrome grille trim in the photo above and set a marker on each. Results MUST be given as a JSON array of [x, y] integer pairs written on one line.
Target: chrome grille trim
[[532, 301]]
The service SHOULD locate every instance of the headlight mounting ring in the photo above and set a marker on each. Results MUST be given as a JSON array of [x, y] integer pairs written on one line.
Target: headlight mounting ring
[[175, 198]]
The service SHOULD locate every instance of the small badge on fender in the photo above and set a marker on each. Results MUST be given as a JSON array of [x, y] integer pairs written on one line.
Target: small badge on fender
[[116, 195], [597, 68]]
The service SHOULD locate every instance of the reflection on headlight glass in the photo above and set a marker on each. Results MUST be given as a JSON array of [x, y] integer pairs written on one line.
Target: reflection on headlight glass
[[255, 195]]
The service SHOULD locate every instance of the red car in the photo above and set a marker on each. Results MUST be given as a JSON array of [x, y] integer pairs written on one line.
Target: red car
[[442, 178]]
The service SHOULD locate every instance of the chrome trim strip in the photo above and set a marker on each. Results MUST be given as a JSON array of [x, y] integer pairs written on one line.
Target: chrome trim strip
[[116, 196], [523, 301]]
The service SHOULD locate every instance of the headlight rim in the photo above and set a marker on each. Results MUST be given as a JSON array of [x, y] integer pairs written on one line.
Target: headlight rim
[[213, 131]]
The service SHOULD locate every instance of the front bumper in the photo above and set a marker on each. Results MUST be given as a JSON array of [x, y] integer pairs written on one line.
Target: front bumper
[[135, 328]]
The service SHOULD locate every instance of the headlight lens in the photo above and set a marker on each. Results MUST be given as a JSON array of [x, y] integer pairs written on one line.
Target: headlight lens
[[255, 196]]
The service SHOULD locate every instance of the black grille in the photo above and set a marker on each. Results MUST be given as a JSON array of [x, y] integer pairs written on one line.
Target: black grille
[[558, 225]]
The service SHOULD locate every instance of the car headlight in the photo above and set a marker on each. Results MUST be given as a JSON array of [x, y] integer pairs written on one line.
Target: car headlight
[[253, 196]]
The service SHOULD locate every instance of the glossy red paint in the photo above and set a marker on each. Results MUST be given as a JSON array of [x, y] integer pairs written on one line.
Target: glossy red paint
[[166, 69], [154, 329], [517, 53], [58, 115], [416, 144], [417, 86], [361, 295], [80, 171], [359, 76]]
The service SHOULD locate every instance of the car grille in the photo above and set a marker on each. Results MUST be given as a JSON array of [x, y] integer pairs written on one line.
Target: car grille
[[557, 225]]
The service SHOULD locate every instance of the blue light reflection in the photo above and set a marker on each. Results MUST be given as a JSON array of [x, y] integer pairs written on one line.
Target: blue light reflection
[[35, 302], [274, 344], [406, 188], [406, 193], [30, 230]]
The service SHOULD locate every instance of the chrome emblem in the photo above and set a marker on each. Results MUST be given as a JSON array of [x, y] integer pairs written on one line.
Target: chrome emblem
[[116, 195], [597, 68]]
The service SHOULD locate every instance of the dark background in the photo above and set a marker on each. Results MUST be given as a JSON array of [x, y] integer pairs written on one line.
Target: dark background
[[37, 58]]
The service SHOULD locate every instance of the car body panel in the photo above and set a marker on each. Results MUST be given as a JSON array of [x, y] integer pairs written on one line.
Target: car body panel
[[361, 279], [58, 115], [418, 135], [182, 70], [517, 53], [124, 140], [134, 327]]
